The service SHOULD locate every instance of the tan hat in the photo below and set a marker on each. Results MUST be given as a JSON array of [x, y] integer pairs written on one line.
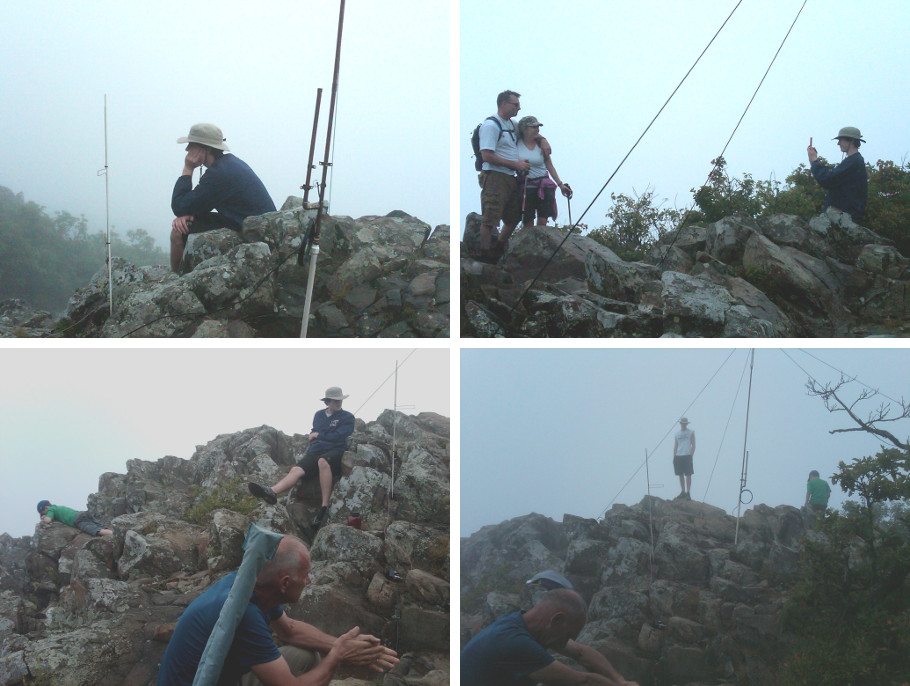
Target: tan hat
[[206, 134], [683, 420], [849, 132], [334, 393]]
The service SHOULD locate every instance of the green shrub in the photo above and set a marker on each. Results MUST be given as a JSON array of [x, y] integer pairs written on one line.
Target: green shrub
[[229, 496]]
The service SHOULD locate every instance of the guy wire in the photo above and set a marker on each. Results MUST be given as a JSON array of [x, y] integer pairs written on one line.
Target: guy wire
[[735, 128], [603, 188], [384, 381], [726, 426]]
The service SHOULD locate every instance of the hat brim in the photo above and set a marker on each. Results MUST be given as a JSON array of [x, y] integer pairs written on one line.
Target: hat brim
[[837, 138], [192, 139], [341, 398]]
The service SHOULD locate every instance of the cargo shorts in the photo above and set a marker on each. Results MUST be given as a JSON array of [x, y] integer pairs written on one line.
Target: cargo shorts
[[500, 199]]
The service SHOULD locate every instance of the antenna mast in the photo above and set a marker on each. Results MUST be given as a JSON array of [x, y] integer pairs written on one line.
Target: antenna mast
[[744, 473], [107, 218]]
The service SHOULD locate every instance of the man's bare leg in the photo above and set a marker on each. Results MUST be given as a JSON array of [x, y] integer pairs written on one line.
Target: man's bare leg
[[293, 476], [178, 244], [325, 480]]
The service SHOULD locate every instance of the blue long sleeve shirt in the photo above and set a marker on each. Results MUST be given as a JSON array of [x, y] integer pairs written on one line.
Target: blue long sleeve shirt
[[229, 186], [847, 185], [333, 430]]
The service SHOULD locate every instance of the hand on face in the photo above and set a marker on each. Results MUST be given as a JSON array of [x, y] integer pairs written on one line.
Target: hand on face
[[195, 156]]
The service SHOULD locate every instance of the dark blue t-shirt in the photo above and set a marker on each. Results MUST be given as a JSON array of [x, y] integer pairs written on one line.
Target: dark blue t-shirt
[[503, 654], [333, 431], [847, 185], [228, 186], [252, 645]]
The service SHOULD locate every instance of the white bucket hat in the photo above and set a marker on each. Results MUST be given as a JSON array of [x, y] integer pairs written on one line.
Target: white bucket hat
[[206, 134], [334, 393], [683, 420]]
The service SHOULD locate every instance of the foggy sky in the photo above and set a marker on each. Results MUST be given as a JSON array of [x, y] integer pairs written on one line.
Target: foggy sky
[[596, 72], [251, 69], [69, 415], [561, 431]]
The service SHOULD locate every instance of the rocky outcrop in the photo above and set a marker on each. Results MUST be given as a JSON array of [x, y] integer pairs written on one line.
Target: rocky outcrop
[[376, 277], [706, 610], [778, 277], [100, 611]]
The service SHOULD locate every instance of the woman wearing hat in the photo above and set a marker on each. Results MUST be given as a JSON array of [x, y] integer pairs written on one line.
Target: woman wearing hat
[[847, 183], [539, 189], [331, 428]]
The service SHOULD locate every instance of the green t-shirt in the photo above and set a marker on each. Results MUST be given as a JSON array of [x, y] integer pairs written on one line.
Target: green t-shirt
[[818, 490], [61, 513]]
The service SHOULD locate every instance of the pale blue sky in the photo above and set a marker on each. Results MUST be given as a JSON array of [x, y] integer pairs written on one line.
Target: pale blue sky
[[560, 431], [595, 72], [251, 69], [67, 416]]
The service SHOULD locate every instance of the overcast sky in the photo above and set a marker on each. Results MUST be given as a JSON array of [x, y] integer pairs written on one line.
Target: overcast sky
[[250, 68], [595, 72], [68, 416], [559, 431]]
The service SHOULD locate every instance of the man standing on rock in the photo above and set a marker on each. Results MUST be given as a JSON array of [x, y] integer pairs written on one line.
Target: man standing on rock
[[847, 183], [229, 186], [253, 649], [500, 195], [67, 515], [683, 450], [331, 428], [514, 650]]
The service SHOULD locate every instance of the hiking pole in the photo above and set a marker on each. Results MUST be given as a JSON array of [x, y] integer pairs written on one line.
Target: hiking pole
[[304, 324], [309, 165], [107, 219], [524, 199]]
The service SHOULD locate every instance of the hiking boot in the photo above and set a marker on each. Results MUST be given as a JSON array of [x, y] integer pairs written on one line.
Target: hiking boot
[[263, 492], [320, 517], [681, 496], [688, 496]]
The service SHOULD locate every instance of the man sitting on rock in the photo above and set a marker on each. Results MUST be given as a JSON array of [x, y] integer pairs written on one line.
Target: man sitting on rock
[[513, 650], [229, 186], [253, 649], [331, 428], [67, 515], [847, 183]]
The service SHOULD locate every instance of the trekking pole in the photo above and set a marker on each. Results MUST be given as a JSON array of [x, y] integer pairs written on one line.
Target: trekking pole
[[524, 199], [309, 165], [304, 324]]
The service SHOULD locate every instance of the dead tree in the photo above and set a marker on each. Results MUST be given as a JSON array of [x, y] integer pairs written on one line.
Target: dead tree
[[832, 394]]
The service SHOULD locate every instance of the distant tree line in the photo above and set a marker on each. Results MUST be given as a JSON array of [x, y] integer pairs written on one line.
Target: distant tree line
[[635, 224], [44, 259]]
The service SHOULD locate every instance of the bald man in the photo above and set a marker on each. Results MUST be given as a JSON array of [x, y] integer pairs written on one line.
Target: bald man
[[514, 650], [254, 658]]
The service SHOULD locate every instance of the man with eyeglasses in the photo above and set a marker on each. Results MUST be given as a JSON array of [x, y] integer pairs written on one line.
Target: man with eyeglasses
[[331, 428], [308, 656]]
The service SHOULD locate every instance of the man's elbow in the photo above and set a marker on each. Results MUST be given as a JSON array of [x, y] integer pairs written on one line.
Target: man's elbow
[[487, 155]]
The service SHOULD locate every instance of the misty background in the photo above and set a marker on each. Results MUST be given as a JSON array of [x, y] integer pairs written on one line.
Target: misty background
[[251, 69], [69, 415], [596, 72], [565, 431]]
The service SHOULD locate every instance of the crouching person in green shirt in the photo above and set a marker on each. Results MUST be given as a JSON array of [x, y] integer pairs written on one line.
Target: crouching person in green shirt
[[817, 493], [80, 520]]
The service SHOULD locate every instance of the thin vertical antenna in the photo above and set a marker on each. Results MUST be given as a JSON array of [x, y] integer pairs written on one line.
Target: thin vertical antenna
[[745, 468], [650, 518], [394, 437], [309, 164], [107, 220]]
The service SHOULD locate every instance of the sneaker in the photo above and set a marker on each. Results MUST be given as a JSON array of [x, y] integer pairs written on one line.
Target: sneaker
[[320, 517], [263, 492], [681, 496]]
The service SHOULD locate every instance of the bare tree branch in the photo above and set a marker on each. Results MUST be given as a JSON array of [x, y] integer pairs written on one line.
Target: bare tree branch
[[829, 393]]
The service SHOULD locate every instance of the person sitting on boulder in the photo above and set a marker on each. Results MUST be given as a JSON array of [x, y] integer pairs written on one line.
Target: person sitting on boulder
[[331, 428], [67, 515], [514, 650], [229, 186], [253, 649], [847, 183]]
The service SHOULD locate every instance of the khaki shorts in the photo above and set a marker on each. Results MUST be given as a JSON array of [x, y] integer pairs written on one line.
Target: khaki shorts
[[500, 199]]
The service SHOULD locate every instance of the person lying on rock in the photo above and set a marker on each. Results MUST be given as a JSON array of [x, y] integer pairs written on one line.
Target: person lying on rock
[[514, 650], [229, 186], [331, 428], [309, 657], [67, 515], [847, 183]]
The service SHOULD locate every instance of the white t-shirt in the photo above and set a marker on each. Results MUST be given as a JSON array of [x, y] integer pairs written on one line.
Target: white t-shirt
[[503, 145], [684, 442], [535, 157]]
